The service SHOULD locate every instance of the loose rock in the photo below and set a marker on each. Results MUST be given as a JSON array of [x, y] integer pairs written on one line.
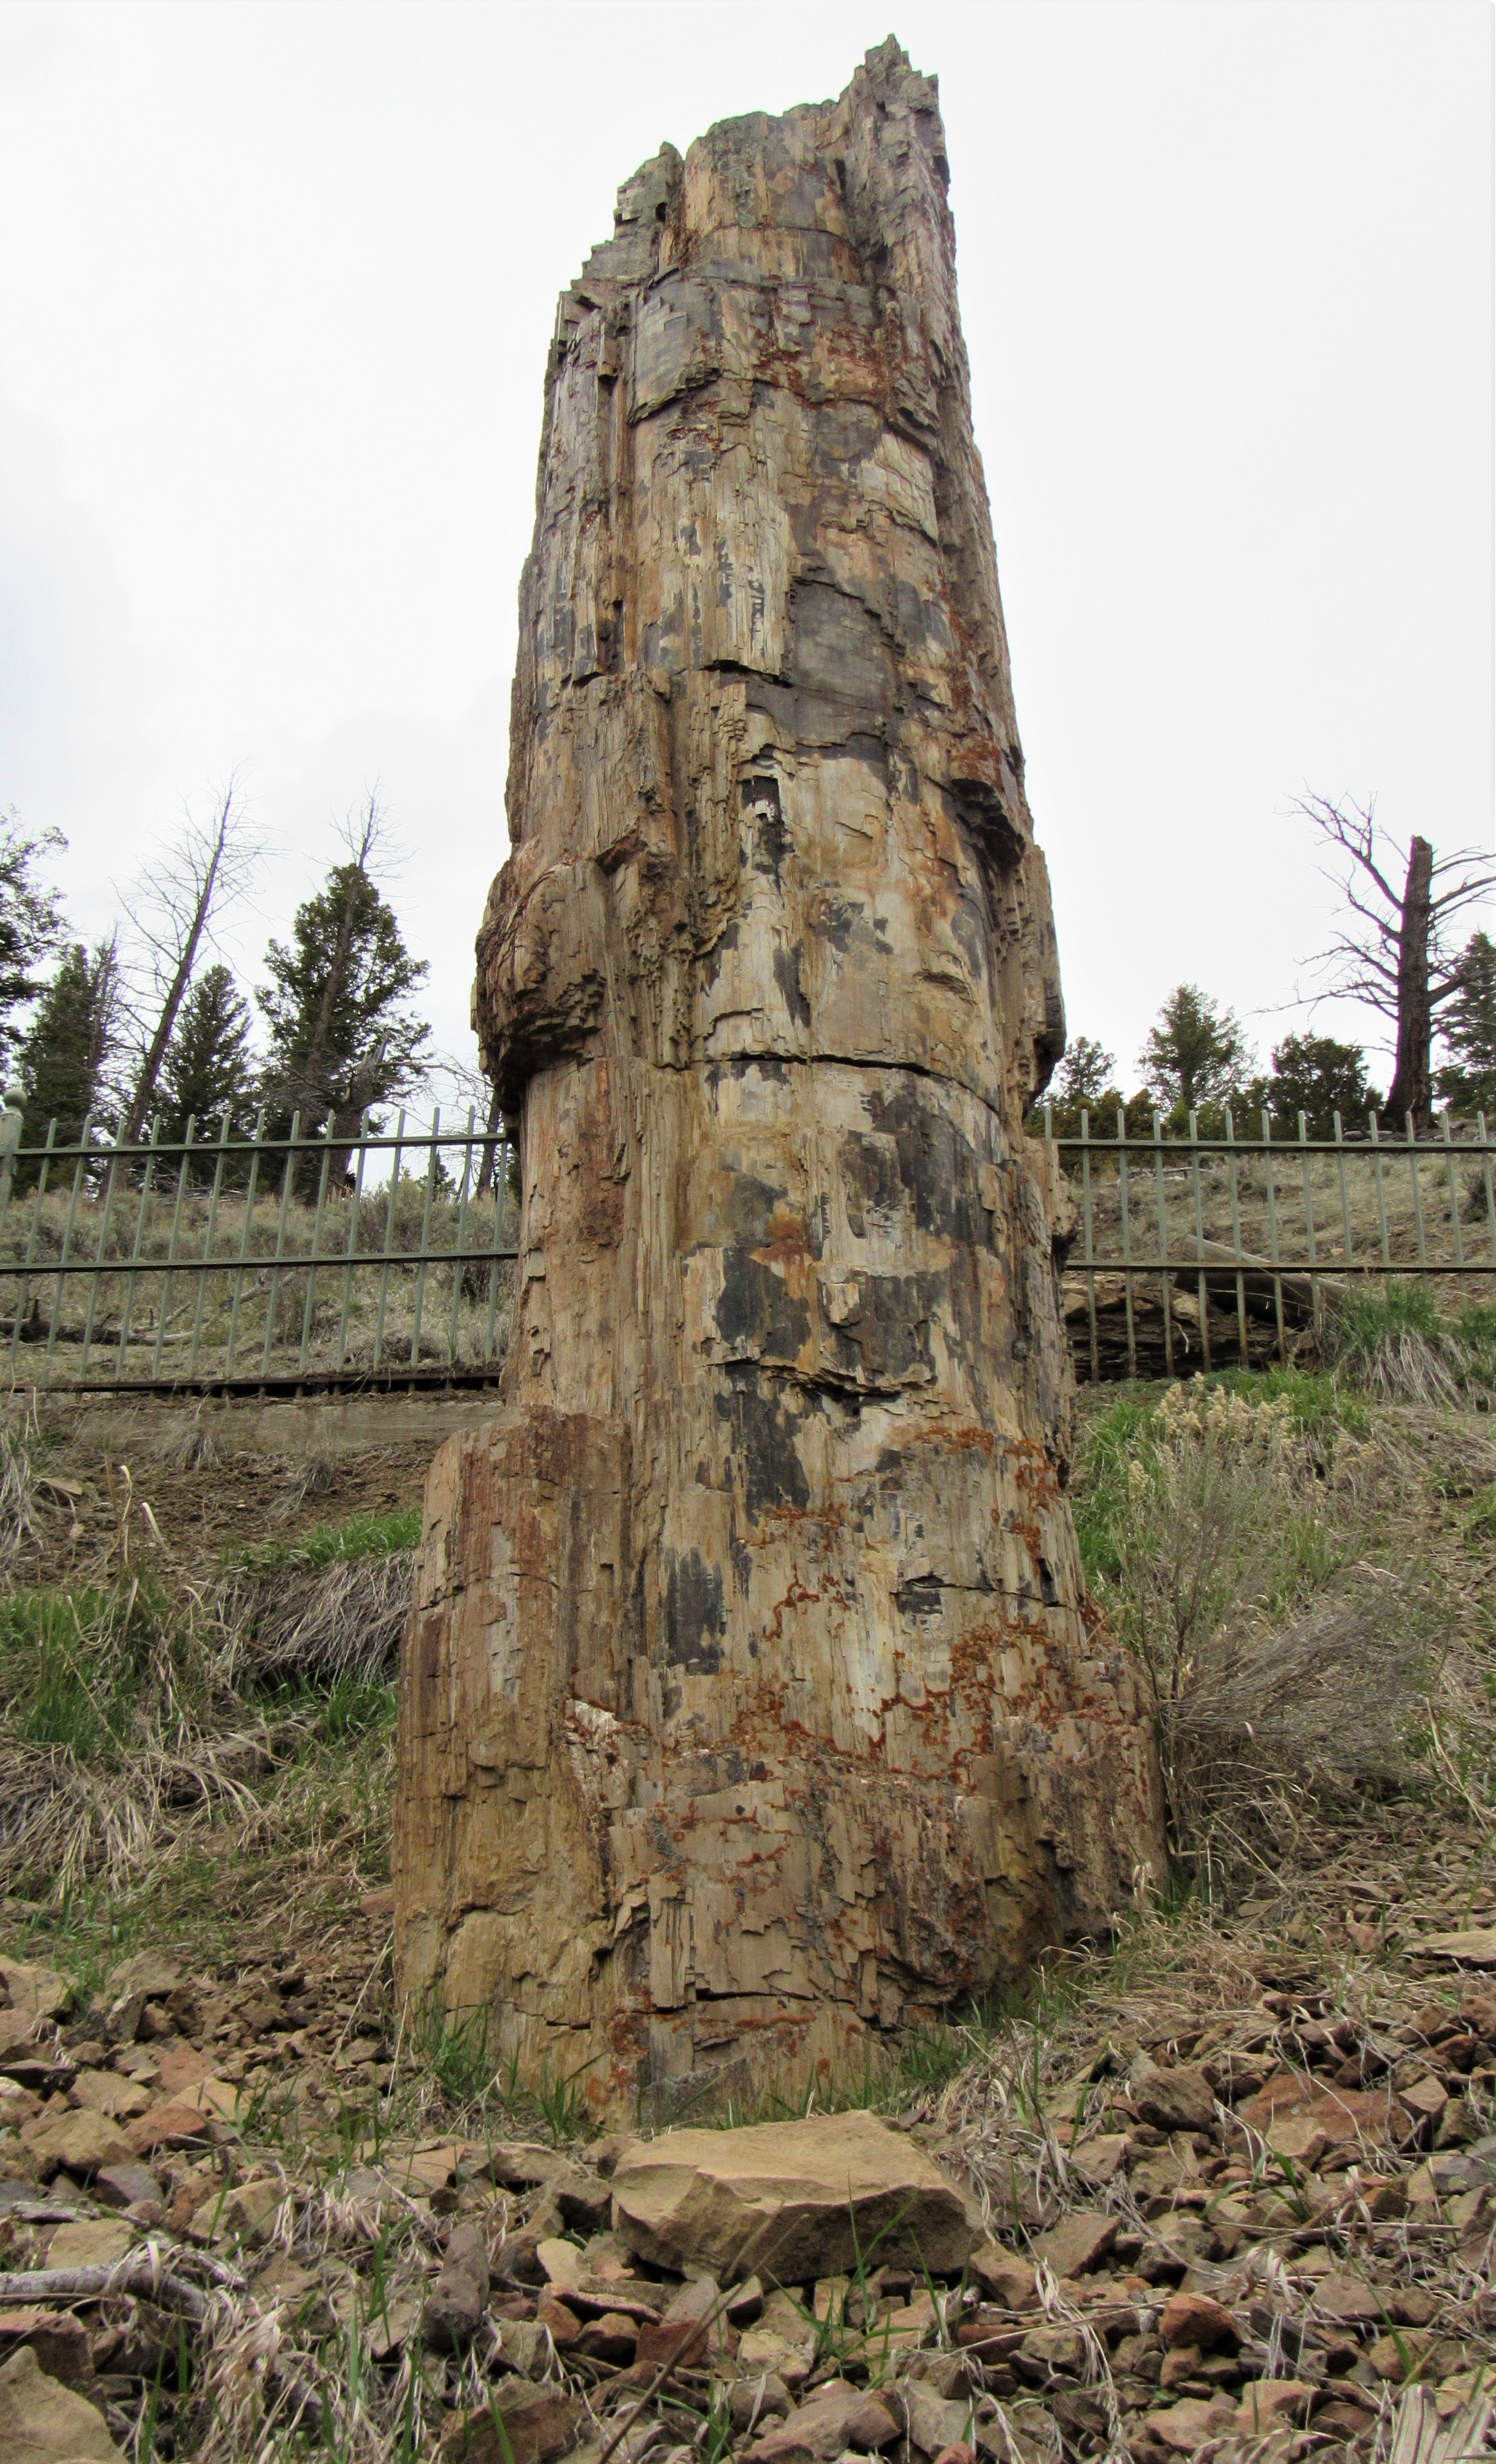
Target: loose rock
[[791, 2200]]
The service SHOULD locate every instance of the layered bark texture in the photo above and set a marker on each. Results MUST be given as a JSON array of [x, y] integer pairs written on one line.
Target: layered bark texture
[[751, 1711]]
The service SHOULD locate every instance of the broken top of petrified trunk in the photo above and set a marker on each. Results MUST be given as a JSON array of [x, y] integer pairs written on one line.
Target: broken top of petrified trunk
[[751, 1709]]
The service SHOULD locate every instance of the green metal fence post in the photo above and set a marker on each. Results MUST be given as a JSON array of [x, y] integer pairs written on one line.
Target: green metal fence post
[[389, 1240], [168, 1271], [132, 1272], [1163, 1247], [432, 1167], [1309, 1216], [31, 1244], [206, 1268], [354, 1210], [1490, 1201], [1271, 1162], [462, 1226], [99, 1252], [1374, 1132], [1199, 1244], [1235, 1246], [66, 1235], [1345, 1202], [1417, 1202], [1085, 1224], [272, 1301], [244, 1244], [1454, 1192], [1126, 1242], [317, 1243]]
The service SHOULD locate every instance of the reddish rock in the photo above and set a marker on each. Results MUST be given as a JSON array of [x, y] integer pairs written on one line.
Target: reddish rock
[[166, 2126], [1195, 2318], [1008, 2278], [1345, 2115], [59, 2340], [1179, 2098], [686, 2330], [535, 2424], [1268, 2404], [561, 2324], [1076, 2243]]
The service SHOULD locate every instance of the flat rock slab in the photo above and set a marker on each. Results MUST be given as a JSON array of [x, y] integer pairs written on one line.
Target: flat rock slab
[[1474, 1948], [43, 2423], [789, 2200], [1077, 2242]]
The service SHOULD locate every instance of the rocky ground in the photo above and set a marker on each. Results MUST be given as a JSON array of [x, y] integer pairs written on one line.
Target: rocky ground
[[1225, 2186], [1237, 2183]]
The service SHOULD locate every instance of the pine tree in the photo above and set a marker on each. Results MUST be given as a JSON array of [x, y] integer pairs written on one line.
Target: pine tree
[[1467, 1084], [1197, 1053], [65, 1055], [1319, 1077], [208, 1074], [342, 1035], [31, 923], [1083, 1082]]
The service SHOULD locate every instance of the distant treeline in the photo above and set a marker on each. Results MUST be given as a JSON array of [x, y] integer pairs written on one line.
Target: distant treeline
[[150, 1024]]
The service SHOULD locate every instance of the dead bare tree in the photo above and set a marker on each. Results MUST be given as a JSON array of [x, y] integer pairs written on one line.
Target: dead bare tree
[[207, 866], [1395, 953]]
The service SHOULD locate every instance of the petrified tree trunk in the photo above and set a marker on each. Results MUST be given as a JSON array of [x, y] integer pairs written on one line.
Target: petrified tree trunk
[[751, 1705]]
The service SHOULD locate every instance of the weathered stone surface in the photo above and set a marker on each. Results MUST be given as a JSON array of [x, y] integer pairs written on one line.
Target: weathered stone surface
[[791, 2200], [77, 2142], [1180, 2098], [1077, 2242], [1195, 2318], [43, 2423], [535, 2424], [750, 1708], [459, 2296]]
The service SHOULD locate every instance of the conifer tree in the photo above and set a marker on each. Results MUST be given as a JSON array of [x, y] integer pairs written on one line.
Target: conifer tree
[[1319, 1076], [1467, 1084], [31, 923], [343, 1036], [1197, 1052], [67, 1049], [208, 1074]]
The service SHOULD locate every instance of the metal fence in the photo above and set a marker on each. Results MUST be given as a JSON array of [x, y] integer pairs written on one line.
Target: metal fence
[[234, 1261], [246, 1263], [1198, 1253]]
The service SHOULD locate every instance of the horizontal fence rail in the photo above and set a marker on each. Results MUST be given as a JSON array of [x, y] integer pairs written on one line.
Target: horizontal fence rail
[[1195, 1252], [235, 1261], [226, 1261]]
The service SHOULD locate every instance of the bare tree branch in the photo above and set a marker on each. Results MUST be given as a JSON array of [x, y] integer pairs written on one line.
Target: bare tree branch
[[209, 867], [1399, 962]]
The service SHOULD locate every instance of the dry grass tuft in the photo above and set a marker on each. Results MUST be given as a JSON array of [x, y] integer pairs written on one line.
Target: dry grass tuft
[[133, 1721], [1393, 1345], [315, 1626], [18, 1522]]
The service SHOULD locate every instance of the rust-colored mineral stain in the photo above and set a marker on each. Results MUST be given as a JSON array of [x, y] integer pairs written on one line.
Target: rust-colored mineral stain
[[753, 1710]]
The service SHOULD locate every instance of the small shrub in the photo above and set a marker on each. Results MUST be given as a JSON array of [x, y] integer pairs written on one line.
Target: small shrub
[[1229, 1545], [1393, 1343]]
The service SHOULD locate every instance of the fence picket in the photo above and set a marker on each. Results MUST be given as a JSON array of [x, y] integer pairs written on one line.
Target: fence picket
[[1134, 1320]]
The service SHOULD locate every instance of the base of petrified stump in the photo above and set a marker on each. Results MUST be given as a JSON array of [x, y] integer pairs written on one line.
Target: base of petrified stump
[[682, 1917]]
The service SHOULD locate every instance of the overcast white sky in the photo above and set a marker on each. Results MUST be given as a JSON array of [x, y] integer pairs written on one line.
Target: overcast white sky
[[277, 283]]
